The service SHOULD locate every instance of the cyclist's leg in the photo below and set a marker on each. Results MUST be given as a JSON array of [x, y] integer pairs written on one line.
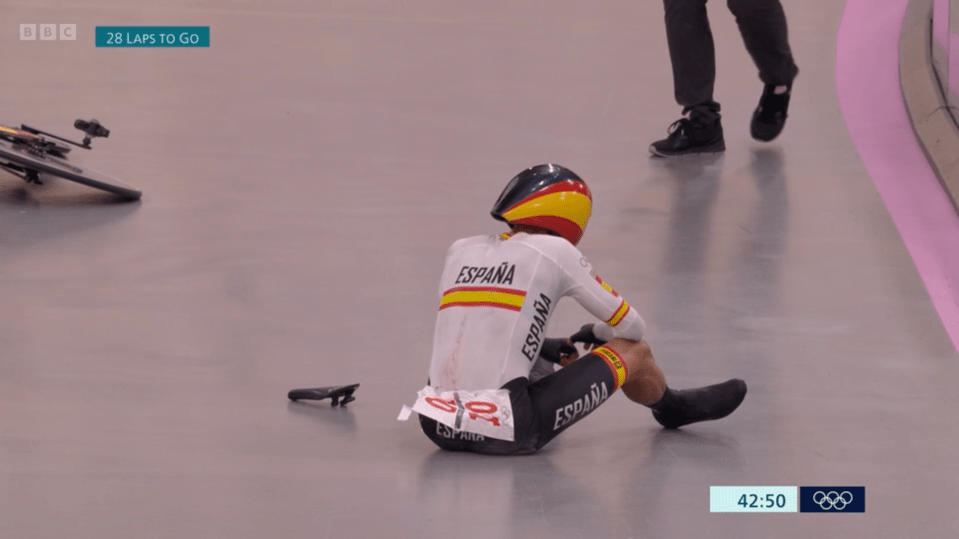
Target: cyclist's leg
[[646, 384]]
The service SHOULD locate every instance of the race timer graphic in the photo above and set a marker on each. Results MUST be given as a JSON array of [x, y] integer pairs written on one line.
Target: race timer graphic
[[764, 499]]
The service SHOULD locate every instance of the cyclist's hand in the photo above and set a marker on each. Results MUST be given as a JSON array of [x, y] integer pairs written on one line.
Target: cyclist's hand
[[585, 336], [569, 359], [557, 350]]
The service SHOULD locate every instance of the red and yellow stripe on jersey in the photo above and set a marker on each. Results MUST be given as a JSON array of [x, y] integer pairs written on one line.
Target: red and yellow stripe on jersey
[[606, 286], [615, 363], [619, 314], [483, 296], [563, 208]]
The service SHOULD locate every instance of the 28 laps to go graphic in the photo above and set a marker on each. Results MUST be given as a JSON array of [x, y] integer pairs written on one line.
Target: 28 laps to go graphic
[[757, 499], [153, 36]]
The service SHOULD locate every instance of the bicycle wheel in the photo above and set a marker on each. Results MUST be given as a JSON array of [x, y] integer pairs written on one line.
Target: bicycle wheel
[[58, 166]]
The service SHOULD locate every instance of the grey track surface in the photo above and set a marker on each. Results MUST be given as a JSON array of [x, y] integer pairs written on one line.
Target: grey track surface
[[303, 178]]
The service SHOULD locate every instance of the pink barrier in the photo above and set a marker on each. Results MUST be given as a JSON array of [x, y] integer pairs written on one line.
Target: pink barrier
[[867, 82]]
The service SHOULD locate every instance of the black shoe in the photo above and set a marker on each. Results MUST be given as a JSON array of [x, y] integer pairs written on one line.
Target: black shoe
[[690, 137], [678, 408], [770, 115]]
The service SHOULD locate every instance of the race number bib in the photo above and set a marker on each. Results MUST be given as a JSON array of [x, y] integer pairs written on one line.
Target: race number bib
[[486, 412]]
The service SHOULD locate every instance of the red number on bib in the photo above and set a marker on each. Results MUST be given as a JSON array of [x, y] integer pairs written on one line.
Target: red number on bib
[[448, 405], [477, 409], [480, 407]]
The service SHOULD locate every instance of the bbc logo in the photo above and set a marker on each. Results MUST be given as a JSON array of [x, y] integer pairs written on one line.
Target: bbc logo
[[48, 32]]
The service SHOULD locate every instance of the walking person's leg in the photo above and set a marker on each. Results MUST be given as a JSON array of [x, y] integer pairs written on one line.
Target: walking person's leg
[[762, 24], [693, 58]]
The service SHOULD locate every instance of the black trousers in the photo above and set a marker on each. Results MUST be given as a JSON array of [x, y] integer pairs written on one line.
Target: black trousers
[[762, 24], [541, 410]]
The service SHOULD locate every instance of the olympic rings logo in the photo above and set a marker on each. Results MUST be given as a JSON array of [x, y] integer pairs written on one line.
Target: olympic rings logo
[[832, 499]]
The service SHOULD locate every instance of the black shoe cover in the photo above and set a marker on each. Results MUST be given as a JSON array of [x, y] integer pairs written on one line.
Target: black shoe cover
[[687, 406]]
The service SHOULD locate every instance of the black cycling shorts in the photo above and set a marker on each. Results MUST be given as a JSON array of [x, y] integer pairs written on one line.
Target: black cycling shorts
[[543, 409]]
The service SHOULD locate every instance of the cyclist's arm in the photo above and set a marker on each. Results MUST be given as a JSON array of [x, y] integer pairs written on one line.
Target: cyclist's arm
[[618, 318]]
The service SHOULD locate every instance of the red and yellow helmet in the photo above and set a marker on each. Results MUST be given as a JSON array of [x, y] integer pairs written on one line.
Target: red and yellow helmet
[[547, 196]]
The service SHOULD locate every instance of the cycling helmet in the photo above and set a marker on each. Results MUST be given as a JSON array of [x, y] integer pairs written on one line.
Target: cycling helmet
[[548, 196]]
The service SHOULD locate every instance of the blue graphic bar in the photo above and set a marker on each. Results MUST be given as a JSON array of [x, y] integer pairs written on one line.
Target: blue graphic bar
[[832, 499], [152, 36]]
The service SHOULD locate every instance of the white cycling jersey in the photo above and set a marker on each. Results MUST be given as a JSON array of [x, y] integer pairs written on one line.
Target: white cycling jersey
[[497, 295]]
